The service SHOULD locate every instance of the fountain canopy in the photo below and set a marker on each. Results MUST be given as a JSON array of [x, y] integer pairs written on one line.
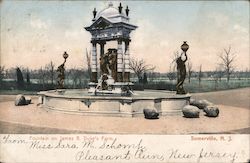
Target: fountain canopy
[[110, 24]]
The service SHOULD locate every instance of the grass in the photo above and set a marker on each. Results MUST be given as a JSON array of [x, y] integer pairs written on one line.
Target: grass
[[206, 85], [210, 85], [16, 91]]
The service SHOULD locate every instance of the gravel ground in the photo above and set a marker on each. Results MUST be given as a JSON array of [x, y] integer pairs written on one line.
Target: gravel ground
[[236, 97]]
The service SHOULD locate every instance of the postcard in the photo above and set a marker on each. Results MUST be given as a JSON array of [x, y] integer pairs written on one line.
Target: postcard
[[124, 81]]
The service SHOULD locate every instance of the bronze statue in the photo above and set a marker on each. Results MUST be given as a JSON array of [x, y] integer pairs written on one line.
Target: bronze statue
[[181, 74], [104, 85], [60, 70], [104, 63], [108, 63], [113, 63], [60, 78]]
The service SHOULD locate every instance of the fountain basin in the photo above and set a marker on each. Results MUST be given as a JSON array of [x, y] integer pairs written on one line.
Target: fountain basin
[[78, 101]]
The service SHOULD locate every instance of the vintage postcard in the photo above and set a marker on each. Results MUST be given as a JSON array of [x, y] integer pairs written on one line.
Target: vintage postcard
[[124, 81]]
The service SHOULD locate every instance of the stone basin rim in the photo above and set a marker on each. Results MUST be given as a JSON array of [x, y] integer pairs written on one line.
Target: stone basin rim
[[169, 95]]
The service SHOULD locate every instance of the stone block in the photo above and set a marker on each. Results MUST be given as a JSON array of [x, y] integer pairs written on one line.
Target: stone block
[[201, 104], [212, 111], [190, 111], [150, 114], [20, 100], [28, 100]]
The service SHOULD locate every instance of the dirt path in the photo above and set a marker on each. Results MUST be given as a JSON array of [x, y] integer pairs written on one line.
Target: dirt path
[[235, 97], [32, 119], [36, 118]]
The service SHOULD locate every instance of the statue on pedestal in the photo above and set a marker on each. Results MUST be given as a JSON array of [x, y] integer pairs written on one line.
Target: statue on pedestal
[[60, 70], [108, 63], [104, 64], [181, 69], [60, 77], [113, 63], [181, 74]]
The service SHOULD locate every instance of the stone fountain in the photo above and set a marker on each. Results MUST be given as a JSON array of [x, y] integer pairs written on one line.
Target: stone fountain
[[111, 94]]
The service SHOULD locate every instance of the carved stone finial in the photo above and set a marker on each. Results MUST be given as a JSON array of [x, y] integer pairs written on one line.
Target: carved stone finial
[[120, 8], [94, 12], [127, 11]]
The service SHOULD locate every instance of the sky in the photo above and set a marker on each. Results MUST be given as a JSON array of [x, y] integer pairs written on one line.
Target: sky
[[33, 33]]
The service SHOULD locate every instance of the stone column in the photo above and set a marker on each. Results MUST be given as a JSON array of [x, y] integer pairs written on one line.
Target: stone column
[[126, 63], [119, 61], [101, 50], [94, 63]]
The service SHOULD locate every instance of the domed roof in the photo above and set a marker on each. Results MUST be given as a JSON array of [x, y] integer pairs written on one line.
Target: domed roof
[[110, 12]]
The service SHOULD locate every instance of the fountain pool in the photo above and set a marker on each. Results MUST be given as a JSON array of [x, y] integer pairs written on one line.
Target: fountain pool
[[79, 101]]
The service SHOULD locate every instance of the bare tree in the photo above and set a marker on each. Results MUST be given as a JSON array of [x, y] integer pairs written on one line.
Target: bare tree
[[172, 74], [139, 67], [41, 76], [227, 59], [216, 76], [152, 75], [76, 77], [219, 72], [50, 68], [27, 76], [1, 73], [190, 70], [88, 62], [173, 59], [200, 75]]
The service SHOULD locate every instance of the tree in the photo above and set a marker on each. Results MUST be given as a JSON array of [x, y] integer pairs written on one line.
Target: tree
[[145, 78], [19, 74], [200, 75], [28, 77], [41, 76], [216, 76], [88, 62], [189, 70], [1, 74], [219, 72], [151, 76], [50, 68], [139, 67], [227, 59], [172, 74]]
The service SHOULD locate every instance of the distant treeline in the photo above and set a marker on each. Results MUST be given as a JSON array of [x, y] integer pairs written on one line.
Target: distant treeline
[[46, 78]]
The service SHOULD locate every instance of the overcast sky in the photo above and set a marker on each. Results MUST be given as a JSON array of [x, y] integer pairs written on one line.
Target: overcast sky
[[33, 33]]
